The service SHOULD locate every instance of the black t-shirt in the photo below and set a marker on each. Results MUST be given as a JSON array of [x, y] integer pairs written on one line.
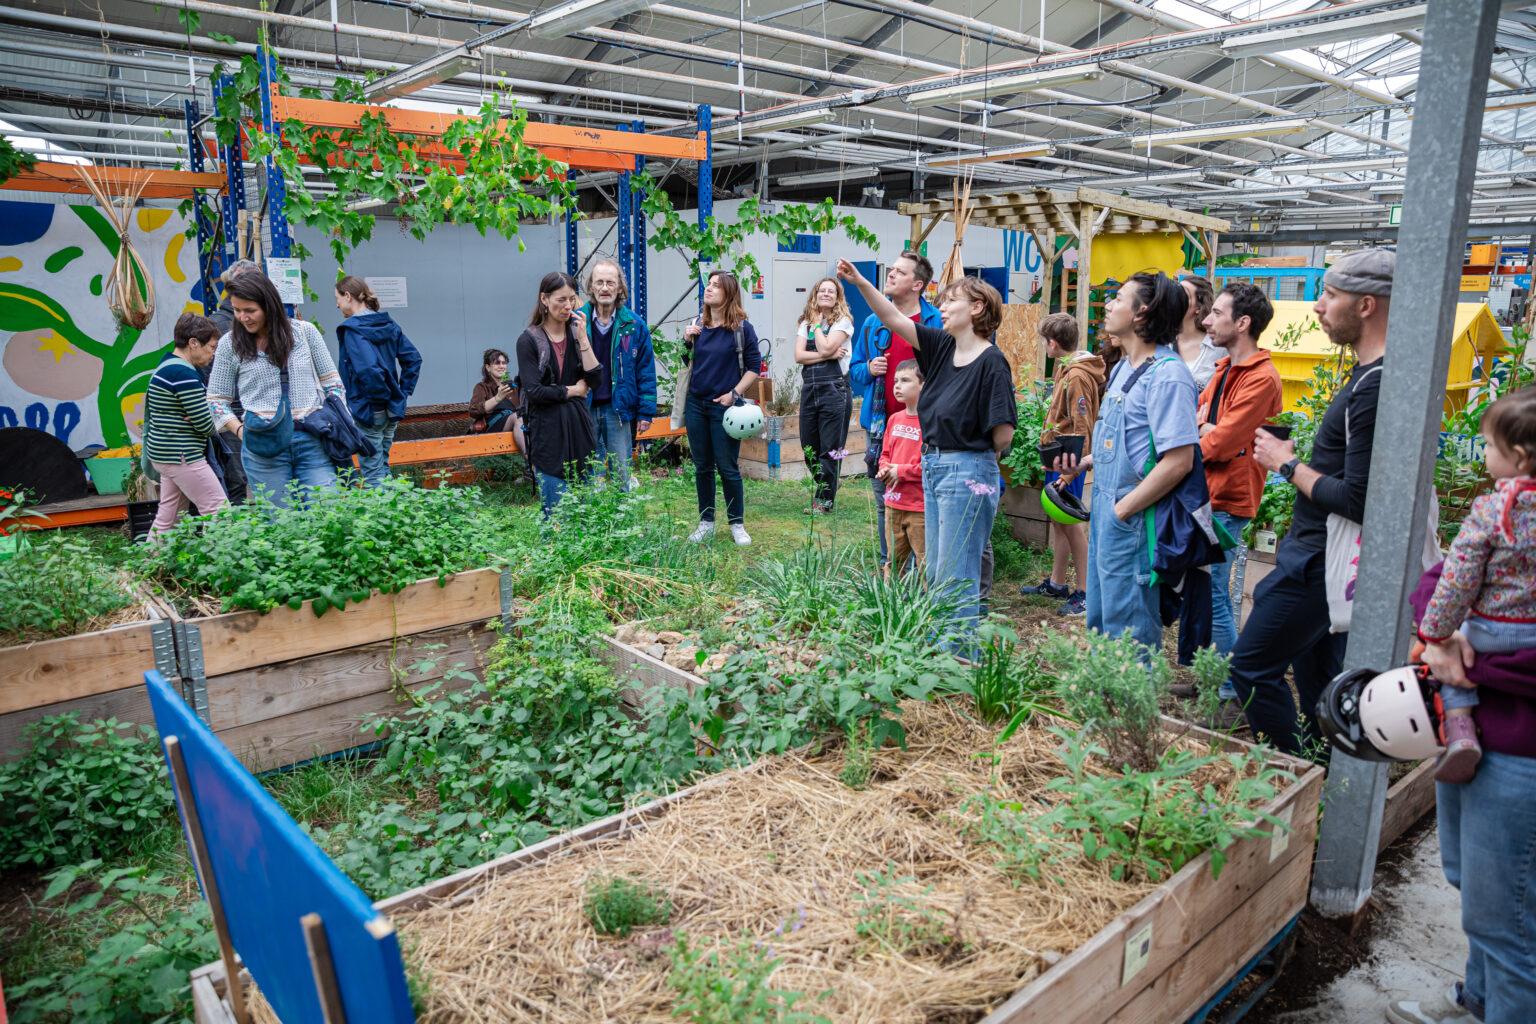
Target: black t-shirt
[[1345, 468], [960, 405]]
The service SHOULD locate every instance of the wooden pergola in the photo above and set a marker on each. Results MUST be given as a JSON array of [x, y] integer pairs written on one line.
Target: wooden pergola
[[1083, 214]]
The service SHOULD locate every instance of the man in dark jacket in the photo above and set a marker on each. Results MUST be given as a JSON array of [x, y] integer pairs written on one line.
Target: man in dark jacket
[[624, 403], [372, 346]]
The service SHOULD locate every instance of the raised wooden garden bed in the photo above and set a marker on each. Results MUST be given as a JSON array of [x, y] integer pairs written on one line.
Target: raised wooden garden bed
[[1027, 520], [278, 688], [779, 454]]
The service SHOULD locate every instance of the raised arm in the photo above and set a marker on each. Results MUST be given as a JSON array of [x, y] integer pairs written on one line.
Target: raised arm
[[881, 306]]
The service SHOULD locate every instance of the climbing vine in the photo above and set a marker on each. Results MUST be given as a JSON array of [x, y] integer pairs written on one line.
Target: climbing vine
[[12, 160]]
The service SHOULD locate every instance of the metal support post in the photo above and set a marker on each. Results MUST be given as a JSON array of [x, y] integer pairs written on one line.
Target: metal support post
[[637, 278], [233, 158], [570, 237], [210, 263], [706, 179], [626, 247], [1453, 82], [277, 188]]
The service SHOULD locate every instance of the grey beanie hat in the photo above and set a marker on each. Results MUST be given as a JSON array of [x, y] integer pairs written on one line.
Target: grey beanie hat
[[1363, 272]]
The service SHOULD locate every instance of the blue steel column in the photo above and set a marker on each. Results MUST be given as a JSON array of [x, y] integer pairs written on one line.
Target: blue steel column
[[233, 158], [277, 189], [570, 235], [626, 249], [1453, 84], [638, 275], [210, 263], [706, 179]]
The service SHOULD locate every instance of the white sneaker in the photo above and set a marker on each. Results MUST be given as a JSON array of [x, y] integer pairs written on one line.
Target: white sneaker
[[1445, 1008], [702, 532], [739, 532]]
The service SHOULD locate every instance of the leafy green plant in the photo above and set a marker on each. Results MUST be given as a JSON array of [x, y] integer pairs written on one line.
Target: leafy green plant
[[616, 906], [1147, 823], [139, 973], [55, 585], [1111, 685], [1279, 498], [1005, 678], [338, 548], [1460, 474], [898, 922], [1211, 669], [726, 982], [1022, 460], [857, 757], [81, 791], [13, 161]]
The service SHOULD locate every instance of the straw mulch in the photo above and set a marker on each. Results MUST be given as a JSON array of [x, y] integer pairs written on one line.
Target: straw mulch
[[744, 855]]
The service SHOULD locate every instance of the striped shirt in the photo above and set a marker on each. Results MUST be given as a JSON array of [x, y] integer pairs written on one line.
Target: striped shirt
[[176, 409], [259, 385]]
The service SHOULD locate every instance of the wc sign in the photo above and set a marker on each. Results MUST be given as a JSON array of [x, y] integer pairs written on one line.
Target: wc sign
[[1020, 253], [806, 244]]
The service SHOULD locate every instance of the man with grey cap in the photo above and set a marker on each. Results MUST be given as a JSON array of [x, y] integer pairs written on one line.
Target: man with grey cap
[[1288, 627]]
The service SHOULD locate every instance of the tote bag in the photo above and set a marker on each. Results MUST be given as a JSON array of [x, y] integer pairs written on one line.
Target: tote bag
[[1341, 557]]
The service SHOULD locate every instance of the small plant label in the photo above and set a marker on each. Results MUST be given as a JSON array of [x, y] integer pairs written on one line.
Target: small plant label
[[1138, 950], [1279, 842]]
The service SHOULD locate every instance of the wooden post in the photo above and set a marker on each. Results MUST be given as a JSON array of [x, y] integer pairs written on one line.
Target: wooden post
[[1210, 259], [1048, 259], [181, 782], [915, 232], [325, 970], [1084, 268]]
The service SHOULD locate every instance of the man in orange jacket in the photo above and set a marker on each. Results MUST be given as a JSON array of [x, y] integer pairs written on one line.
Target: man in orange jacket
[[1243, 394]]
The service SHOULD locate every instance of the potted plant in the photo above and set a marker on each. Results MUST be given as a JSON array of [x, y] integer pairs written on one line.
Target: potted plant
[[143, 496]]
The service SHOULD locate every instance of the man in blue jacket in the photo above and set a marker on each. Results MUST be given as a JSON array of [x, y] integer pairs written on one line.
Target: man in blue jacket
[[371, 346], [875, 356], [624, 403]]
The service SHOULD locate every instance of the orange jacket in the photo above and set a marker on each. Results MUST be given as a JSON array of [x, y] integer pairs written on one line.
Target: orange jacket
[[1250, 396], [1075, 397]]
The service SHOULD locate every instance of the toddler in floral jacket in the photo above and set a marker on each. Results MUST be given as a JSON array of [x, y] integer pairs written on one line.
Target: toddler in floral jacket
[[1488, 587]]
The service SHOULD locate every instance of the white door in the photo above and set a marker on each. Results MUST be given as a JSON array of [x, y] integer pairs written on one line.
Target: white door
[[793, 279]]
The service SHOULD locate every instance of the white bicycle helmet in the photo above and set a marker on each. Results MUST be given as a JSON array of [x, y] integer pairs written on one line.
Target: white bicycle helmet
[[1396, 718], [743, 419]]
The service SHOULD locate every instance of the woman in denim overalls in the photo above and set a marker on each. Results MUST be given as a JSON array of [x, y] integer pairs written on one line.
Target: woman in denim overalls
[[1149, 404]]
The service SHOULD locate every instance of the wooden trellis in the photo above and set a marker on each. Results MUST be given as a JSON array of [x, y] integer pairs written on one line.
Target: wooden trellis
[[1084, 214]]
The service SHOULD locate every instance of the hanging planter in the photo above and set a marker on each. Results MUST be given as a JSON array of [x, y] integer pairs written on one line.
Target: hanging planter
[[130, 290]]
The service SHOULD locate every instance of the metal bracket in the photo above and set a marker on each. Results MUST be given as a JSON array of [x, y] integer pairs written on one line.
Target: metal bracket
[[506, 597], [189, 654], [162, 637]]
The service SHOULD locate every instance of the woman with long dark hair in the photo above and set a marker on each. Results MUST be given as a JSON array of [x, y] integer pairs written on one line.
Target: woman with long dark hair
[[556, 370], [725, 360], [280, 371], [1148, 411], [494, 402]]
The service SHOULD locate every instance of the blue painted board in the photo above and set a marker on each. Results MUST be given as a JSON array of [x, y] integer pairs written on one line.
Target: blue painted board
[[858, 309], [270, 874]]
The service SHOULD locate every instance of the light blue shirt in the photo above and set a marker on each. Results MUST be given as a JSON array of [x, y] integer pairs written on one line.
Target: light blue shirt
[[1160, 409]]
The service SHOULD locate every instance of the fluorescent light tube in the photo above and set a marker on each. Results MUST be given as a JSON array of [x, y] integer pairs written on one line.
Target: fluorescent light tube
[[575, 15], [998, 85], [1330, 166], [1133, 180], [982, 156], [794, 119], [829, 177], [432, 71], [1529, 150], [1275, 40], [1273, 126], [1255, 195]]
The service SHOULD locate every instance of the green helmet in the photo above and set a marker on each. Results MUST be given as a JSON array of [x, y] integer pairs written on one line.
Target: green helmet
[[1062, 506]]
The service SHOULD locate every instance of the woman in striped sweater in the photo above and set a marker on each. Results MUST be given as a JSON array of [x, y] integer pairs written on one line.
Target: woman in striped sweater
[[178, 422]]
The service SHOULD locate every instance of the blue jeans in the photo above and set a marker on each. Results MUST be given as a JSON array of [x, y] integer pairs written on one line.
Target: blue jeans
[[1487, 847], [551, 490], [305, 461], [381, 432], [614, 445], [960, 492], [713, 450], [1223, 617], [1120, 595]]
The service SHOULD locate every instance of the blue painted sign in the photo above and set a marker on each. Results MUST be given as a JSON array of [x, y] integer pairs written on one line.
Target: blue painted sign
[[270, 874], [1523, 281], [1018, 248], [808, 244]]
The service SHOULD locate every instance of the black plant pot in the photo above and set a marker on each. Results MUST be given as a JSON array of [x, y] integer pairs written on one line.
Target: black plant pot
[[141, 516]]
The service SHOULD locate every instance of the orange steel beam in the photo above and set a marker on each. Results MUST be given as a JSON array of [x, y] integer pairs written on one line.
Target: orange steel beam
[[75, 517], [585, 160], [436, 449], [335, 114], [52, 177]]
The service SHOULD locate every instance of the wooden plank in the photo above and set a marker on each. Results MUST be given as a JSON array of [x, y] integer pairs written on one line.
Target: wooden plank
[[129, 704], [241, 640], [50, 671], [1177, 993], [1125, 204], [434, 449], [632, 665], [790, 450], [1083, 988], [206, 1005], [1409, 799], [288, 687]]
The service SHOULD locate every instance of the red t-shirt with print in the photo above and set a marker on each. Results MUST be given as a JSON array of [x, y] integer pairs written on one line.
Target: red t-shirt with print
[[903, 448]]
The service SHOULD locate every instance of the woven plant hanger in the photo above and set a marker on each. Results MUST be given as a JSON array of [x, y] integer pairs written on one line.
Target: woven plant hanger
[[131, 306]]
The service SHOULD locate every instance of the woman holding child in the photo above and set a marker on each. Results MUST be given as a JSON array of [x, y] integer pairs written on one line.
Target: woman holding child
[[967, 415]]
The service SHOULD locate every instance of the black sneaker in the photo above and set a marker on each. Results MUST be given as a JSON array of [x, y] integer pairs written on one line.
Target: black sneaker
[[1076, 607], [1049, 588]]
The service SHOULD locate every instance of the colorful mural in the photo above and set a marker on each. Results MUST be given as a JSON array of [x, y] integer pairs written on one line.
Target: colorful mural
[[68, 368]]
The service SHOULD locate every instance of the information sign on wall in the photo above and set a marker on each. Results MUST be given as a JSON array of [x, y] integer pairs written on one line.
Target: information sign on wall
[[1475, 282], [390, 291], [287, 273], [808, 244]]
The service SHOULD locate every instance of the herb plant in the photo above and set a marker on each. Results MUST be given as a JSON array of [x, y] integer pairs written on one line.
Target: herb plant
[[1023, 457], [1004, 678], [615, 905], [727, 983], [1111, 685], [55, 585], [896, 921]]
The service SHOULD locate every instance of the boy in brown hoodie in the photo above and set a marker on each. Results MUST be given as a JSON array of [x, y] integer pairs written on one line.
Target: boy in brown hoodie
[[1077, 385], [1243, 394]]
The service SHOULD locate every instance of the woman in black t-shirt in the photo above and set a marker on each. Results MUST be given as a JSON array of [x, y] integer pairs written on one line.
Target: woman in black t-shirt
[[967, 413], [556, 369]]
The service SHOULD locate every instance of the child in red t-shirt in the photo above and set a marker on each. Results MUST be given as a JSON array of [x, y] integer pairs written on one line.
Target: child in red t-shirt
[[901, 468]]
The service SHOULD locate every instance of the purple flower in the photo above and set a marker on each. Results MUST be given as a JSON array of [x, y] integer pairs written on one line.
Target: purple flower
[[891, 496], [978, 488], [838, 454]]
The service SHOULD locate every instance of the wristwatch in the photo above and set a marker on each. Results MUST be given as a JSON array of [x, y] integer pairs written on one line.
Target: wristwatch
[[1288, 470]]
